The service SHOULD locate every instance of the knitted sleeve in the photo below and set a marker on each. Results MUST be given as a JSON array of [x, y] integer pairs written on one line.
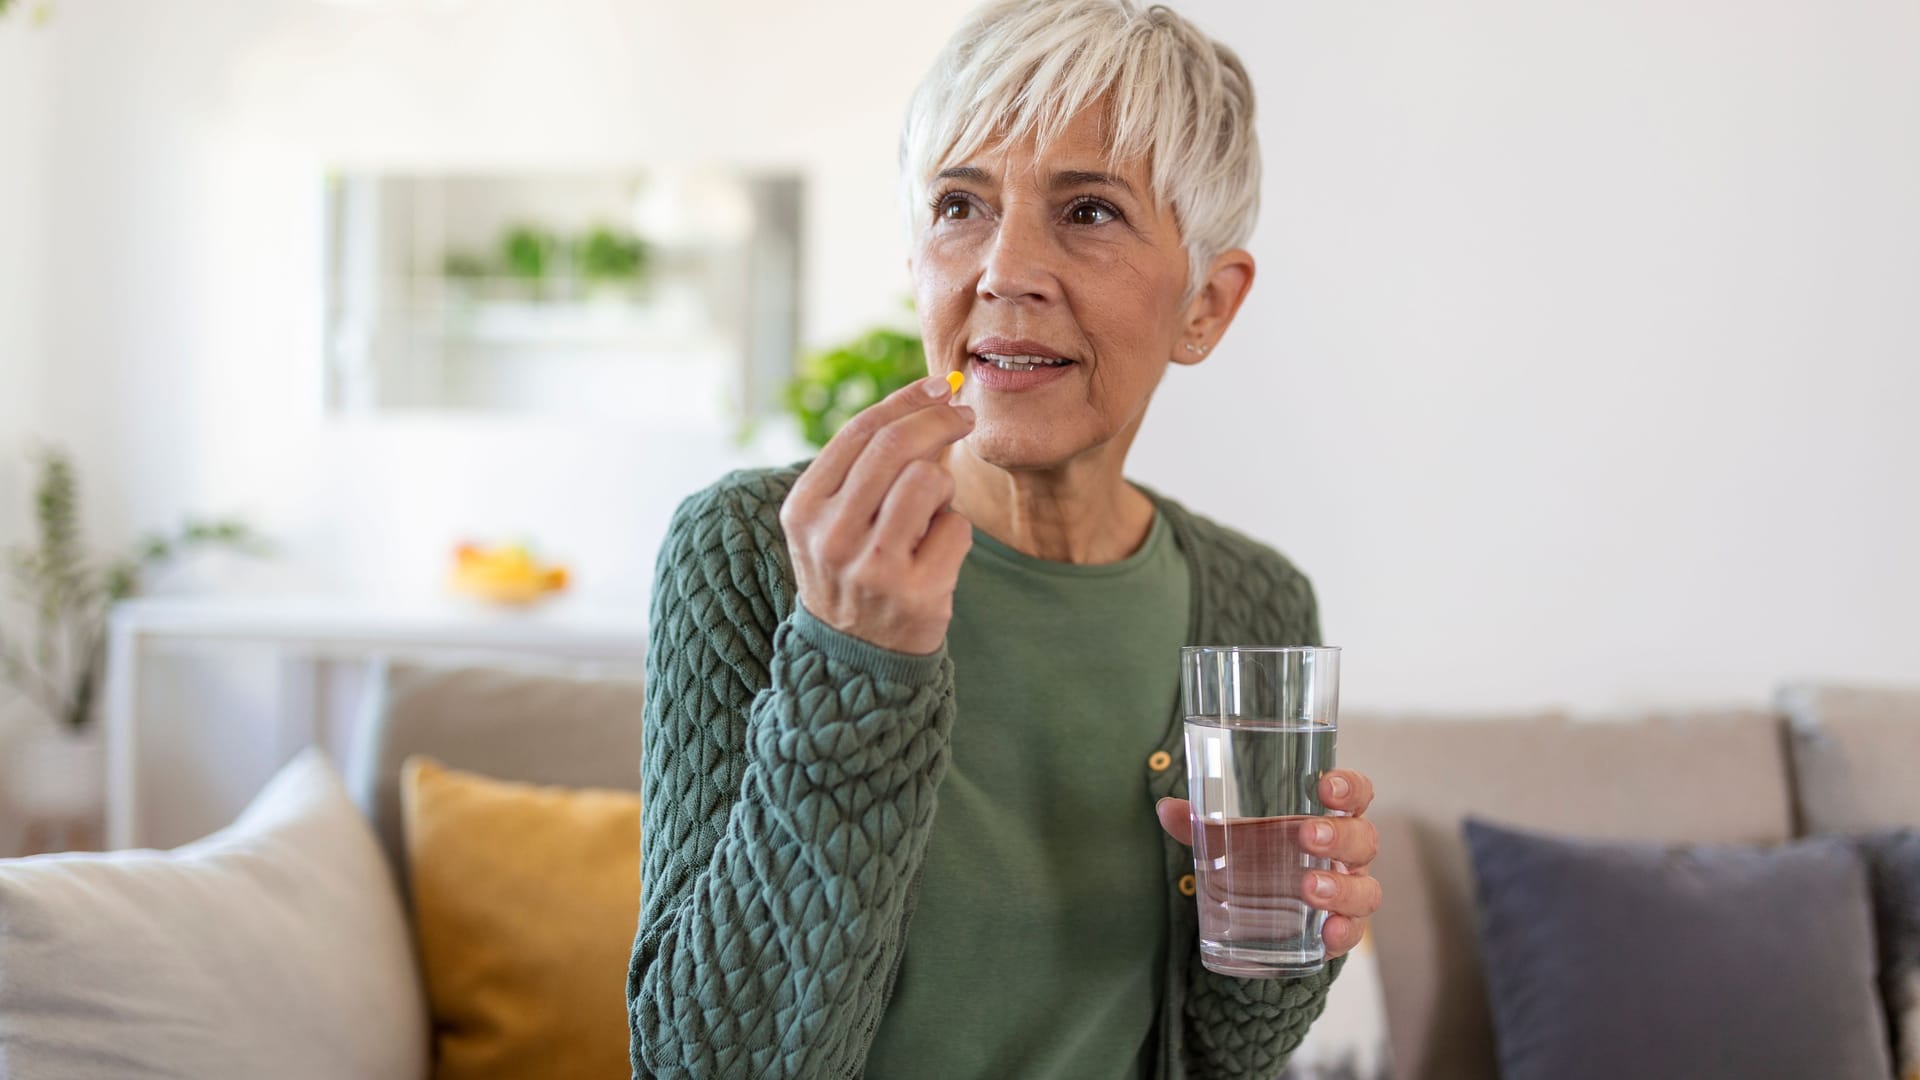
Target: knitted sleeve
[[788, 781], [1249, 1027]]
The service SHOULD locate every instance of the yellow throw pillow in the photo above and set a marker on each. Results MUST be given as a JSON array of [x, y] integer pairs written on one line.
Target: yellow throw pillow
[[525, 900]]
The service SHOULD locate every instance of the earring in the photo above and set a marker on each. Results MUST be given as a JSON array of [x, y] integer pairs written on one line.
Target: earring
[[1197, 350]]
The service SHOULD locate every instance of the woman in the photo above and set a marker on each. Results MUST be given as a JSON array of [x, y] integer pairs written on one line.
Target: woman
[[912, 706]]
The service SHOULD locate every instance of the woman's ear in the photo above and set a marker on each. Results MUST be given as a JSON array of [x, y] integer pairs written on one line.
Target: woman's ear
[[1228, 280]]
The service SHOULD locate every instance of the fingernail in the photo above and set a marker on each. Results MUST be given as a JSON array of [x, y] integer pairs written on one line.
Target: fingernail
[[1323, 886], [1161, 801], [1340, 787], [937, 388], [1323, 834]]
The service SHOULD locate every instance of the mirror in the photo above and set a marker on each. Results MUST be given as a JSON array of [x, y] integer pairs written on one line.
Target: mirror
[[663, 296]]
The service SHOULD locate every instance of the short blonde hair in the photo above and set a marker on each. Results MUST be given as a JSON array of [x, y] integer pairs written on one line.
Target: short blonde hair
[[1178, 97]]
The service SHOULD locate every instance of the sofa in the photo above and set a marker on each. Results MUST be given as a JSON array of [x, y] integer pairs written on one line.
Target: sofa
[[1827, 759]]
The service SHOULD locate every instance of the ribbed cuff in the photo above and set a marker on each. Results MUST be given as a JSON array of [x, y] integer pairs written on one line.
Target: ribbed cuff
[[865, 656]]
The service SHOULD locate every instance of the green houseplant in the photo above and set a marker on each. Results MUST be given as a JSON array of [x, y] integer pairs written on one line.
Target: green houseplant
[[527, 254], [605, 256], [53, 658], [836, 383]]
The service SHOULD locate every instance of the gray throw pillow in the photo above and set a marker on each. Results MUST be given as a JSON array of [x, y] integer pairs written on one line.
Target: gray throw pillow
[[1895, 859], [1607, 960]]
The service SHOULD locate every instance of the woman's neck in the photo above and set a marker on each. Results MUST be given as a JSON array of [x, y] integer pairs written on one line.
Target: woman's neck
[[1082, 512]]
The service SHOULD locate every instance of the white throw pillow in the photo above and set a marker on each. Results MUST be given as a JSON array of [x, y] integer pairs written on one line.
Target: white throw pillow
[[277, 947]]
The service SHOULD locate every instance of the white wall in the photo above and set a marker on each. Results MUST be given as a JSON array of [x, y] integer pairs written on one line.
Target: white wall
[[1584, 361], [24, 71], [1580, 369]]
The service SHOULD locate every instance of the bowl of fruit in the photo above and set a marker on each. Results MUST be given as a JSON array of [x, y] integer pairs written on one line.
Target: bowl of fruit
[[506, 574]]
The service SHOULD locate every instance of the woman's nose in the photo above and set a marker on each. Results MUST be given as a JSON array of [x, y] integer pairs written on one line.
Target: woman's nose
[[1019, 265]]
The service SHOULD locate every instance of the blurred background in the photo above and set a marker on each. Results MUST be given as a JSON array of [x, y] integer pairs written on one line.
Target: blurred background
[[1581, 374], [1581, 371]]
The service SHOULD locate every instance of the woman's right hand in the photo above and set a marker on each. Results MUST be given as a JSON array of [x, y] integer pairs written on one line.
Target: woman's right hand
[[876, 549]]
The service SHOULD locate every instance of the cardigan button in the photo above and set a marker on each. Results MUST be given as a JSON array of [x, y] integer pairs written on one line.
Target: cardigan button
[[1186, 884], [1159, 760]]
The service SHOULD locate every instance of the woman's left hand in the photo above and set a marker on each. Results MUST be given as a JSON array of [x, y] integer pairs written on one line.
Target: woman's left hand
[[1351, 896]]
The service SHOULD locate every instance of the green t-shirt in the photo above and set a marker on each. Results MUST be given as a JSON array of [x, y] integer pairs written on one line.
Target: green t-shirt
[[1038, 944]]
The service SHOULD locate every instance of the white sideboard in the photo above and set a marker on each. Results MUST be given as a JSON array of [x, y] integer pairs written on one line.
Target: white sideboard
[[307, 636]]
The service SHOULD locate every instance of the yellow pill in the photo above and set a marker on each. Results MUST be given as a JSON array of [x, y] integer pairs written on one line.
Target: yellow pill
[[954, 379]]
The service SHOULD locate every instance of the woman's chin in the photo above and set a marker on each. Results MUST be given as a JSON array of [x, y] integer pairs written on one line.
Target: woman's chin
[[1009, 447]]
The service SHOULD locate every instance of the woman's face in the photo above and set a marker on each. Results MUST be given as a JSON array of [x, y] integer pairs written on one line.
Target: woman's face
[[1061, 256]]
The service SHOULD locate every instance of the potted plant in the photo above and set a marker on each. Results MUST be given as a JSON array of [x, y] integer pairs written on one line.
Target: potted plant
[[52, 655], [836, 383], [609, 262], [527, 256]]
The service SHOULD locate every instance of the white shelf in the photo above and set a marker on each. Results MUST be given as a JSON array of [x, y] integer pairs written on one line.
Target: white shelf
[[533, 325], [565, 627], [308, 629]]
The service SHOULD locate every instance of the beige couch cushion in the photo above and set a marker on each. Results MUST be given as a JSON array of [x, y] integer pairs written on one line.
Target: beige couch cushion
[[1705, 778], [540, 727], [1855, 754]]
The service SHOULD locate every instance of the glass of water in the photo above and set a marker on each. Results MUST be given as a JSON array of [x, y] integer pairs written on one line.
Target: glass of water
[[1261, 724]]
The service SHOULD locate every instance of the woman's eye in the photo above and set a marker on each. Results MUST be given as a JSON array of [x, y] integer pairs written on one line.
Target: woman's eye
[[1090, 213], [955, 208]]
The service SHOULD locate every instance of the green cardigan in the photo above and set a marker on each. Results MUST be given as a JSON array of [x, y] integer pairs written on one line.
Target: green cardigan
[[789, 781]]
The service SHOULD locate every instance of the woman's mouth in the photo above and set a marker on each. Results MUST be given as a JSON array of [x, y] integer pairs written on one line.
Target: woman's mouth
[[1019, 363], [1011, 371]]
